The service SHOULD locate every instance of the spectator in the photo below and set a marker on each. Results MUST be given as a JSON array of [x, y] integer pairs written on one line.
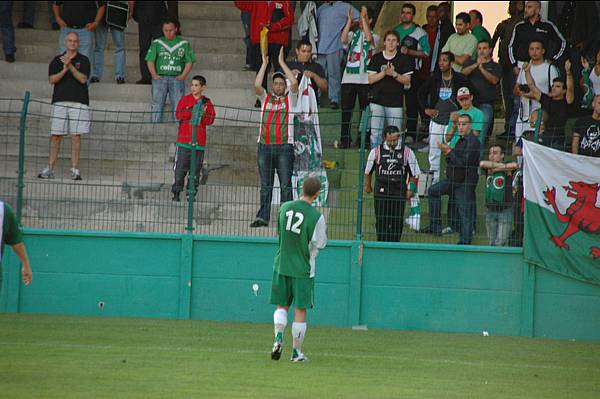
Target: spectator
[[516, 237], [170, 60], [149, 15], [307, 23], [555, 103], [477, 28], [276, 137], [437, 35], [503, 33], [184, 114], [388, 74], [543, 74], [498, 196], [444, 14], [461, 171], [7, 30], [484, 75], [29, 15], [11, 234], [415, 44], [534, 28], [586, 133], [396, 169], [68, 72], [462, 43], [278, 17], [81, 17], [590, 80], [331, 19], [118, 36], [437, 97], [465, 100], [361, 44], [304, 65]]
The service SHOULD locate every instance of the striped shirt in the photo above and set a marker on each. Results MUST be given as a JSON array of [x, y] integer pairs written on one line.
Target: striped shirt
[[277, 118]]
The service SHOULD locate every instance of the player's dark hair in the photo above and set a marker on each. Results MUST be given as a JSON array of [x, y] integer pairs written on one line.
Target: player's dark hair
[[477, 14], [449, 55], [466, 116], [411, 6], [540, 41], [311, 186], [485, 41], [303, 42], [560, 79], [502, 149], [431, 8], [391, 130], [278, 75], [463, 16], [170, 21], [200, 79]]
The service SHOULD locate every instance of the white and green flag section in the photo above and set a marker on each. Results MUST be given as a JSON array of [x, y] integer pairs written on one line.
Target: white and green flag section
[[562, 212]]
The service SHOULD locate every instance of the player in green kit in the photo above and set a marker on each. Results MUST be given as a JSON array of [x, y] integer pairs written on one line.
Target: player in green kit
[[302, 232]]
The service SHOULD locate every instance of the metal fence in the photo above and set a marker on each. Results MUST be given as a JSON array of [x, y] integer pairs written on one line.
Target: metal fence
[[127, 169]]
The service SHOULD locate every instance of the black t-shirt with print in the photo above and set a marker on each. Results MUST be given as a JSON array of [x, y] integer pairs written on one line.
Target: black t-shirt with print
[[69, 88], [308, 66], [388, 92], [588, 129], [554, 133]]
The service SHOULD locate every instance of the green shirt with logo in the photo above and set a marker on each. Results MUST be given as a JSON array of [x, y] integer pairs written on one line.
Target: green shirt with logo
[[498, 191], [302, 233], [170, 56]]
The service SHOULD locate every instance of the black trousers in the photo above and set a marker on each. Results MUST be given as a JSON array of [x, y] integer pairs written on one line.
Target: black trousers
[[146, 34], [349, 93], [389, 217], [183, 160], [273, 55], [412, 107]]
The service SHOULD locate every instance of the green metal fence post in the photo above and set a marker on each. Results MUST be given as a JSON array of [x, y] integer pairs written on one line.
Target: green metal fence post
[[364, 125], [21, 171], [197, 113]]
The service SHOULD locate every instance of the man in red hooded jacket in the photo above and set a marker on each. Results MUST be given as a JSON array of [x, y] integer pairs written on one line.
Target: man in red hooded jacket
[[278, 16], [184, 144]]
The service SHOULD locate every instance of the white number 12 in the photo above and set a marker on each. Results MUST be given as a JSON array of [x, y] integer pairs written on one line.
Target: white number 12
[[295, 228]]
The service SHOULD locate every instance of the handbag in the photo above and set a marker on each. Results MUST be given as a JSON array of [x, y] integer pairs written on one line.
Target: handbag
[[117, 14]]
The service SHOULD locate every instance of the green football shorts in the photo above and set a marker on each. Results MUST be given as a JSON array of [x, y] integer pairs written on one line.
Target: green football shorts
[[286, 289]]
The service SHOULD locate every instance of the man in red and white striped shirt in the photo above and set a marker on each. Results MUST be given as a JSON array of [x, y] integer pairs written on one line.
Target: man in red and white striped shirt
[[276, 137]]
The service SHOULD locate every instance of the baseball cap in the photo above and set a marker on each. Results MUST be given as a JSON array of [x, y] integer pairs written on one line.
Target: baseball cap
[[463, 92]]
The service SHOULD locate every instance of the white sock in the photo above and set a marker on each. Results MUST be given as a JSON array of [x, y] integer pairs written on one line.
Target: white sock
[[280, 321], [298, 333]]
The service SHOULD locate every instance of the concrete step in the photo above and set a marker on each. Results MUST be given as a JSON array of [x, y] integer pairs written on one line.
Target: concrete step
[[200, 45], [43, 54], [244, 98]]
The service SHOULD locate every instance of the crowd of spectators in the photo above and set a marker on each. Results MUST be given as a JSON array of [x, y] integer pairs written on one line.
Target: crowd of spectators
[[442, 75]]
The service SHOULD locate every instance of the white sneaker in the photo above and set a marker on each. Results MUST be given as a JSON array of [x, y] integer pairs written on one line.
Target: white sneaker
[[46, 173], [447, 230], [298, 356], [75, 174]]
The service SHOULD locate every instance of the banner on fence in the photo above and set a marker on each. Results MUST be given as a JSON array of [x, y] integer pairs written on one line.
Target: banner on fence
[[562, 212]]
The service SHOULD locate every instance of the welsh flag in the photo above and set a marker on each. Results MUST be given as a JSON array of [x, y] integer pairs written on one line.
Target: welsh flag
[[562, 212]]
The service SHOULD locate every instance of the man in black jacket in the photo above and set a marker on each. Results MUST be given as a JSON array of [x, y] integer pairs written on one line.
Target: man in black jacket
[[149, 15], [437, 96], [462, 177], [534, 28]]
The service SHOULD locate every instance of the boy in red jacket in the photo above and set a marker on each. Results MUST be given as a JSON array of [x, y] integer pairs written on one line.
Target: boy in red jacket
[[184, 144]]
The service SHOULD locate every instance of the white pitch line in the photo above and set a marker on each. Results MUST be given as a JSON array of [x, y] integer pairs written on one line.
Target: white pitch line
[[320, 354]]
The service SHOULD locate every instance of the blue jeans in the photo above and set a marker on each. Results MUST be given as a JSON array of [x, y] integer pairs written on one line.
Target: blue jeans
[[331, 63], [273, 157], [6, 28], [499, 225], [380, 114], [118, 37], [462, 197], [86, 42], [160, 88]]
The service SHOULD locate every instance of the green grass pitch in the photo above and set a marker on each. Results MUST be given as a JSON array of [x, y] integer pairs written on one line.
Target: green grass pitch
[[74, 357]]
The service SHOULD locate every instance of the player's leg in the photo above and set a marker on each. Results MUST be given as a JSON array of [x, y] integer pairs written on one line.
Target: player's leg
[[303, 291], [281, 295]]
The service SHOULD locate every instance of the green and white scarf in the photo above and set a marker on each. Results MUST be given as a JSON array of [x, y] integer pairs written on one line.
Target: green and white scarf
[[359, 54]]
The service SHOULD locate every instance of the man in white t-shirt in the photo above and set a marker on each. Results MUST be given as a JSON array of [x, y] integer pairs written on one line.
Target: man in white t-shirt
[[543, 74]]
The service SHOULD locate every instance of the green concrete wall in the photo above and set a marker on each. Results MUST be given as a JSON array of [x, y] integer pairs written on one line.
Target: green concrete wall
[[402, 286]]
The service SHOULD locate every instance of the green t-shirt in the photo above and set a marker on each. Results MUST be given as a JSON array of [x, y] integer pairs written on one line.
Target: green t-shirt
[[477, 120], [170, 57], [461, 45], [11, 234], [498, 191], [301, 231], [481, 33]]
